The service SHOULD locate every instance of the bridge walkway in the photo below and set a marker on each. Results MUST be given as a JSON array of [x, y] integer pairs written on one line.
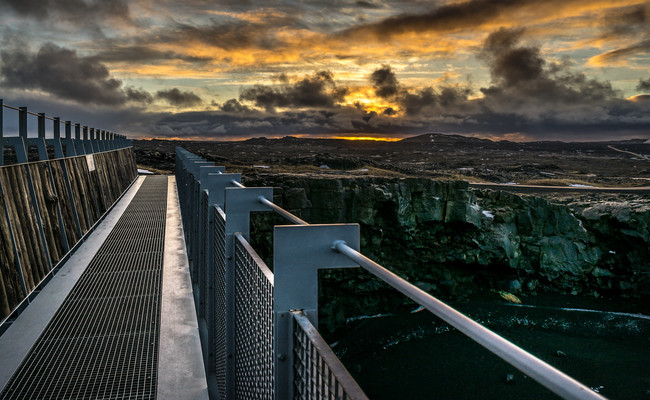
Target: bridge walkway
[[127, 327]]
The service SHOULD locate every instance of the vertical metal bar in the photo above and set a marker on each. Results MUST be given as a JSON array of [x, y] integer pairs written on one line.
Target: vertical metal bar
[[40, 140], [70, 150], [78, 142], [41, 125], [22, 122], [20, 142], [56, 128], [56, 141]]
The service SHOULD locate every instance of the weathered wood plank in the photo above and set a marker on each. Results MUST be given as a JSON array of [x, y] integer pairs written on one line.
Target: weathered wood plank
[[11, 291], [90, 193], [65, 202]]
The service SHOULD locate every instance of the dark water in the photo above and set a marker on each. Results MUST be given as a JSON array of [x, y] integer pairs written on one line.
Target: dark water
[[417, 356]]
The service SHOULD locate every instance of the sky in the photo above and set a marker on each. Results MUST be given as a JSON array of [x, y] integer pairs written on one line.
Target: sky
[[224, 70]]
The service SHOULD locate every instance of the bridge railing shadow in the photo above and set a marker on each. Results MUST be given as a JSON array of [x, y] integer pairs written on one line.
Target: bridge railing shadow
[[259, 328]]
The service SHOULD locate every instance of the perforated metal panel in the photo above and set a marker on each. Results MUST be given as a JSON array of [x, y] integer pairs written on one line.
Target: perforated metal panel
[[253, 324], [317, 372], [102, 343], [219, 345]]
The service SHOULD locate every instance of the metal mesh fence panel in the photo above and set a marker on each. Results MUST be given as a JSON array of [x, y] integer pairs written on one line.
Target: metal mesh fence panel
[[317, 372], [219, 305], [253, 324]]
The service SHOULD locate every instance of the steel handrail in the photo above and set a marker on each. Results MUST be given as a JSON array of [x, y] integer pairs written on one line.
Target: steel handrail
[[550, 377], [54, 119]]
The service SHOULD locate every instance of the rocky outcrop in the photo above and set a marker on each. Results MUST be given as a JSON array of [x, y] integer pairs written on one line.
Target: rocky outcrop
[[451, 240]]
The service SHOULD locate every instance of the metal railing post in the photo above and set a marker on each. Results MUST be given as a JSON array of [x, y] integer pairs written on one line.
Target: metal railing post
[[20, 141], [78, 142], [39, 141], [299, 251], [56, 140], [70, 150], [239, 203]]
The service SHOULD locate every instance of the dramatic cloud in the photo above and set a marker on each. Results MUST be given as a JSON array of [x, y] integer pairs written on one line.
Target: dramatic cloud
[[643, 84], [317, 90], [329, 67], [234, 106], [384, 82], [178, 98], [520, 71], [63, 73]]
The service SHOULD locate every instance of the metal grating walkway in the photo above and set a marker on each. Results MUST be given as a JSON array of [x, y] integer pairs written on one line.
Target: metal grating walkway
[[103, 341]]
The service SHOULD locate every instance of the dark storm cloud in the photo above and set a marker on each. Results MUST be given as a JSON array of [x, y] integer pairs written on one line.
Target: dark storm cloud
[[317, 90], [528, 94], [179, 98], [80, 11], [427, 98], [63, 73], [643, 85], [520, 71], [510, 65], [234, 106], [138, 95], [384, 82], [386, 85]]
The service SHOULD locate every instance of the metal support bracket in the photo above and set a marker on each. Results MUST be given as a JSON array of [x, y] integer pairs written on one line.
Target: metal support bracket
[[299, 251]]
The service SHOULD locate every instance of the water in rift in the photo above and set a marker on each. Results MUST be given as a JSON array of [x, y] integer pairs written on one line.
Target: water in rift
[[603, 344]]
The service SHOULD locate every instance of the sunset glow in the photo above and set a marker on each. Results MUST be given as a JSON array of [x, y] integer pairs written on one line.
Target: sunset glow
[[574, 69]]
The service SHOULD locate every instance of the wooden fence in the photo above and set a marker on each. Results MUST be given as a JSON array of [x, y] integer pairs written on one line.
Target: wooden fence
[[46, 207]]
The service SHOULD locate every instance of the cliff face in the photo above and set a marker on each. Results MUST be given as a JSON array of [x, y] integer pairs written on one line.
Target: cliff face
[[451, 240]]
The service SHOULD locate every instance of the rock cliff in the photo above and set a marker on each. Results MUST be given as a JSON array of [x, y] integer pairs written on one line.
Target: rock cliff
[[454, 241]]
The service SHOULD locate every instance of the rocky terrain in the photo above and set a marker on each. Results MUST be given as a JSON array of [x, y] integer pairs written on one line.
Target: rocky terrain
[[456, 242], [437, 156], [420, 218]]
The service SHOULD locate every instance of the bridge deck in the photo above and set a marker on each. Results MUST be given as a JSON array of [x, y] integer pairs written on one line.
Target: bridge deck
[[127, 327]]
